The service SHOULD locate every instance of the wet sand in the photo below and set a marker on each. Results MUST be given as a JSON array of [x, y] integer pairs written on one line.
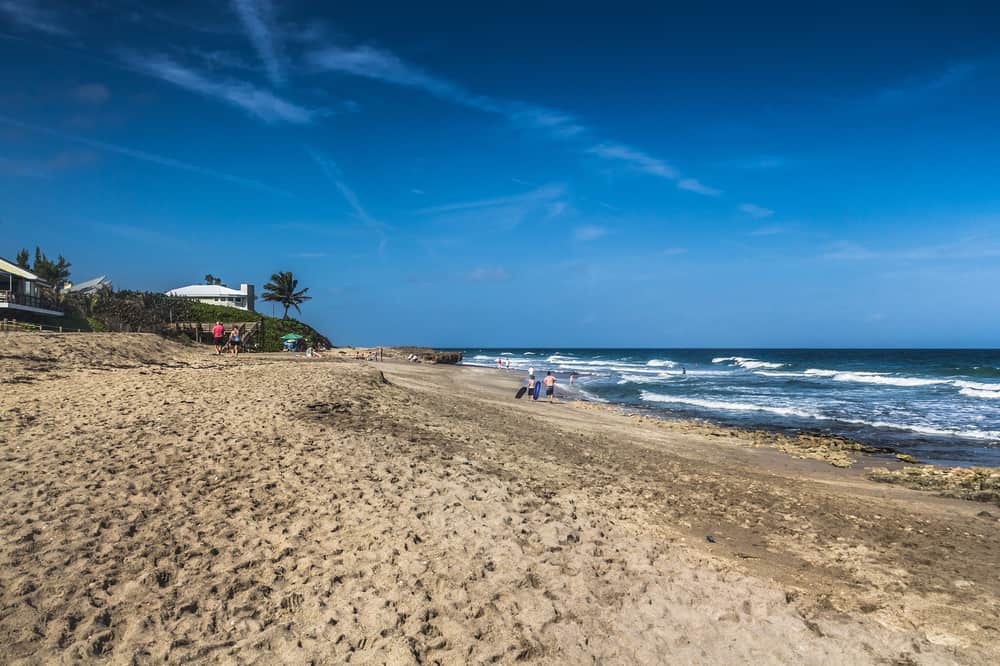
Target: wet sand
[[162, 503]]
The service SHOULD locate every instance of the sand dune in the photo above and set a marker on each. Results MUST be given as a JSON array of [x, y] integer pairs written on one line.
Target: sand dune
[[161, 503]]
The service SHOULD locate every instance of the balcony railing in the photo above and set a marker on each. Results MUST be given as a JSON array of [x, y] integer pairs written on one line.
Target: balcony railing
[[27, 301]]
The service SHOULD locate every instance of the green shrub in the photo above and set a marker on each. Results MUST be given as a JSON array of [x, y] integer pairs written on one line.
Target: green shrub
[[274, 327]]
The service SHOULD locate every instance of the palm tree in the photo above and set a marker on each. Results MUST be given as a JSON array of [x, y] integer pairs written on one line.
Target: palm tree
[[281, 289]]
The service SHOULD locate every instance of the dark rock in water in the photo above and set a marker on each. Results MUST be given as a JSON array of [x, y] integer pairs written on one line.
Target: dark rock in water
[[426, 355], [907, 458]]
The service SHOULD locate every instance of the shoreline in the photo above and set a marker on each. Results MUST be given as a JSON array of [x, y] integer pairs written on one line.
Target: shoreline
[[334, 509], [889, 453], [809, 442], [879, 464]]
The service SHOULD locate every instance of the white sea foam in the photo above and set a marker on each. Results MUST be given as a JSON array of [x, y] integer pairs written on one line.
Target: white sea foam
[[658, 363], [978, 386], [748, 363], [976, 393], [767, 373], [924, 430], [873, 378], [648, 379], [557, 358], [753, 365], [723, 405], [649, 396]]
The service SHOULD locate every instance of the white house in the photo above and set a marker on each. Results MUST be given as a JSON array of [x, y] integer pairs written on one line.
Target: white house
[[88, 286], [216, 294], [20, 290]]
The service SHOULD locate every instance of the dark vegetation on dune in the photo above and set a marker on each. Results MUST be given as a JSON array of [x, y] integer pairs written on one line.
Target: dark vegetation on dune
[[149, 312]]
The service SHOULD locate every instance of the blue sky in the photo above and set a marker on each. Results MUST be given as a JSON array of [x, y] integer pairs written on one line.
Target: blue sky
[[453, 174]]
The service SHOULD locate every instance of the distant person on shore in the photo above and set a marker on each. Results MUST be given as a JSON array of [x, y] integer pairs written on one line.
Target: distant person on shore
[[234, 340], [499, 363], [508, 363], [531, 370], [531, 384], [572, 375], [550, 385], [218, 337]]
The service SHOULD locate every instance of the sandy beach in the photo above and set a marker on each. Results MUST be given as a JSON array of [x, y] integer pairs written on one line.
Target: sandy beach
[[162, 504]]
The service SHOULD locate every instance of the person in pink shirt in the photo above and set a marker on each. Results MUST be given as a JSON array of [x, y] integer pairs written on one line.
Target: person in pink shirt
[[218, 334]]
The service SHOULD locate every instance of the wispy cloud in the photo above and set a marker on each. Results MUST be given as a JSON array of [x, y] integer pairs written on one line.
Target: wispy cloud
[[753, 210], [257, 17], [556, 123], [333, 174], [674, 251], [91, 93], [260, 104], [589, 232], [47, 167], [696, 186], [635, 159], [144, 156], [848, 251], [372, 63], [770, 230], [756, 163], [639, 161], [920, 86], [138, 234], [964, 249], [545, 194], [27, 14], [539, 205], [488, 274], [381, 65]]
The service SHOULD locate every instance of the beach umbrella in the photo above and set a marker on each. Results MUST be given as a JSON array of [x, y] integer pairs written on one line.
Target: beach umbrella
[[291, 336]]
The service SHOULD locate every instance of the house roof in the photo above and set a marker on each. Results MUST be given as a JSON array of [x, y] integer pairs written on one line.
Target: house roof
[[95, 283], [14, 269], [204, 291]]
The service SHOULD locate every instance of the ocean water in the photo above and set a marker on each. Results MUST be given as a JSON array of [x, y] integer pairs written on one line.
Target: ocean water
[[942, 406]]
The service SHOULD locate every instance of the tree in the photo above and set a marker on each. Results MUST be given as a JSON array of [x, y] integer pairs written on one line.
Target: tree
[[22, 259], [282, 289], [52, 272], [211, 279]]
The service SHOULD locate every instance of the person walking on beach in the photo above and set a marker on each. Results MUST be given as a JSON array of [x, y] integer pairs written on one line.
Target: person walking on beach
[[531, 385], [234, 340], [550, 385], [218, 333], [508, 363]]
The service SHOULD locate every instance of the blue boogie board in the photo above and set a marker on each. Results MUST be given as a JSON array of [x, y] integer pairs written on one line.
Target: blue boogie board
[[538, 390]]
